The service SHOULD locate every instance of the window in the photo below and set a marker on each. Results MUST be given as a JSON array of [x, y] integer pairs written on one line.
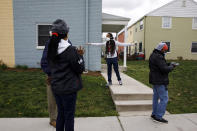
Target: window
[[140, 47], [166, 22], [135, 29], [183, 3], [130, 32], [168, 44], [141, 25], [42, 35], [194, 25], [194, 47]]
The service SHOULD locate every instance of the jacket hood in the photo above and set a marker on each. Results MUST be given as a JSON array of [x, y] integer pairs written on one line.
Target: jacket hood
[[63, 45]]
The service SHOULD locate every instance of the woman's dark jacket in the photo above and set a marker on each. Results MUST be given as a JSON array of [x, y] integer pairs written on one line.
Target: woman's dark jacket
[[44, 62], [66, 72], [159, 69]]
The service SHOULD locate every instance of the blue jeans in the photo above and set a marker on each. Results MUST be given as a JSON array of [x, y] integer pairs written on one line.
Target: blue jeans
[[66, 111], [114, 62], [160, 92]]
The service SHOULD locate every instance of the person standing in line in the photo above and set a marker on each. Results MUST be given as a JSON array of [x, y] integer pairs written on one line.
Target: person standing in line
[[111, 56], [158, 77], [52, 107], [66, 65]]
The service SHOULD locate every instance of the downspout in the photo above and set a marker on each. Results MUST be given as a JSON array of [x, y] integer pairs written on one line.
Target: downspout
[[87, 35], [144, 36], [125, 48]]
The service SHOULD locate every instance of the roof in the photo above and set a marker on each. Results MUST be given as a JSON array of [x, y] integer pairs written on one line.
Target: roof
[[113, 23], [155, 10], [106, 16]]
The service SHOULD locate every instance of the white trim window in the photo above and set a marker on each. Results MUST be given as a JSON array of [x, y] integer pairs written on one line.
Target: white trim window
[[194, 47], [169, 45], [42, 35], [166, 22], [141, 25], [194, 23]]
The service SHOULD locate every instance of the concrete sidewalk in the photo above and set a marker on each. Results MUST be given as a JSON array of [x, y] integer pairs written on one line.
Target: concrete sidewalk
[[181, 122]]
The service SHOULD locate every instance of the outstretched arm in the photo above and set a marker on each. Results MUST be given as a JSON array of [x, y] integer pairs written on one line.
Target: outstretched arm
[[97, 44], [123, 44]]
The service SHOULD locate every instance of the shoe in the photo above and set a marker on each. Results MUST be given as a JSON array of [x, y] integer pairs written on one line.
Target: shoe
[[53, 123], [108, 84], [153, 116], [162, 120], [120, 82]]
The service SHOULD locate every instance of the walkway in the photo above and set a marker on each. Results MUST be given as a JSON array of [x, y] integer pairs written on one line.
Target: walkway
[[183, 122], [132, 98]]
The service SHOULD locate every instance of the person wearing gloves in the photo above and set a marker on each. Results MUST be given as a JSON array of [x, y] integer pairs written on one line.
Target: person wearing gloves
[[158, 77], [66, 66], [52, 107], [111, 56]]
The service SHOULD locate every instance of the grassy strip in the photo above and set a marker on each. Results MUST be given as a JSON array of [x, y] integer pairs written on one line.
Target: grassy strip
[[23, 94]]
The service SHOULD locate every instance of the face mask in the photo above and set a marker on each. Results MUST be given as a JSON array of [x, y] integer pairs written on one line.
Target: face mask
[[107, 38], [50, 33]]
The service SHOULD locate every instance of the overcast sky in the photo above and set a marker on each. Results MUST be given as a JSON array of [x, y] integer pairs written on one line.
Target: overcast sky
[[132, 8]]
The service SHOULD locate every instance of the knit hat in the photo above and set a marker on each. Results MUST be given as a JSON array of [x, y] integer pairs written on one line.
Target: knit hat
[[161, 46], [59, 26]]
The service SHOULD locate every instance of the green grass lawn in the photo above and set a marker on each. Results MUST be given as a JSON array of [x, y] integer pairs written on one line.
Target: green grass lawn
[[23, 94], [182, 87]]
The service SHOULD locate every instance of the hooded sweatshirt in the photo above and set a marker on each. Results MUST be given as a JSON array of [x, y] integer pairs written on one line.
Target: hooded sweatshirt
[[63, 45]]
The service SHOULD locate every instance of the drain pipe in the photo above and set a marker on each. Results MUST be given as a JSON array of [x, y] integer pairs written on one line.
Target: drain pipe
[[87, 35]]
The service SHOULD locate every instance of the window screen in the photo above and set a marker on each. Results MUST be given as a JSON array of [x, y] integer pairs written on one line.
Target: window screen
[[43, 34]]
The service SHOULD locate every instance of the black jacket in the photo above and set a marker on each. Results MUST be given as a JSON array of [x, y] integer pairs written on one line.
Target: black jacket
[[159, 69], [66, 72]]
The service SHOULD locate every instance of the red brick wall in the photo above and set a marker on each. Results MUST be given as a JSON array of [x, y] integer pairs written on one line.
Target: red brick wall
[[121, 39]]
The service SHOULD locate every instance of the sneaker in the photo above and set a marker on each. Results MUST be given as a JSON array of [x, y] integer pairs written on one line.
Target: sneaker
[[108, 84], [120, 82], [162, 120], [153, 116]]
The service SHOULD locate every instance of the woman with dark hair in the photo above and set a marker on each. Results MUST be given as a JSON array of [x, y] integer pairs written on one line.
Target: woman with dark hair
[[66, 66], [111, 56]]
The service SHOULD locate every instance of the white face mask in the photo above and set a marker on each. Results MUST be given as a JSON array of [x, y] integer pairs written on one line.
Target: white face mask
[[107, 38], [50, 33]]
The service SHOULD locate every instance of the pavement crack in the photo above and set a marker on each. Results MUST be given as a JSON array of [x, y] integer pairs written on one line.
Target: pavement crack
[[190, 120], [120, 124]]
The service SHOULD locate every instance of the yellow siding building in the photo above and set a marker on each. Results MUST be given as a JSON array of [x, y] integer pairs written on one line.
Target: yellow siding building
[[174, 23], [7, 33]]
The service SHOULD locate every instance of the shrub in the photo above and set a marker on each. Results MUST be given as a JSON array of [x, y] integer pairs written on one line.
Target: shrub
[[24, 67], [3, 66], [179, 58]]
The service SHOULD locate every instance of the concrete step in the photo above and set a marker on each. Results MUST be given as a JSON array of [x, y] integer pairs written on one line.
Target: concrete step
[[132, 96], [134, 105]]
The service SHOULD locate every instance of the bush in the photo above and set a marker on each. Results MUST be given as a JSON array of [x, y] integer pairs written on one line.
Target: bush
[[179, 58], [3, 66], [24, 67]]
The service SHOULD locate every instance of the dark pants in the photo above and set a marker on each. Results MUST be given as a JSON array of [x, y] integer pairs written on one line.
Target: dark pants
[[66, 111], [114, 62]]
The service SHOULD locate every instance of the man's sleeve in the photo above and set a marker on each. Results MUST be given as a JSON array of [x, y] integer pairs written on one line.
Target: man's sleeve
[[44, 61], [163, 66]]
